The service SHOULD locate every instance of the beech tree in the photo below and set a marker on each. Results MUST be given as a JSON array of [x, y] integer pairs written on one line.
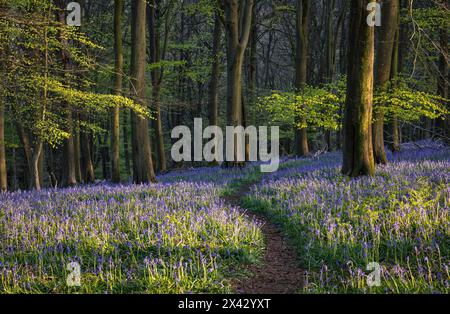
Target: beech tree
[[237, 21], [159, 17], [444, 73], [69, 173], [3, 171], [301, 68], [3, 174], [143, 171], [215, 72], [115, 127], [395, 69], [357, 149], [388, 31]]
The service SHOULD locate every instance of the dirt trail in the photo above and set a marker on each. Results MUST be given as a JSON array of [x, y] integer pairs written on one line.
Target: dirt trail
[[280, 272]]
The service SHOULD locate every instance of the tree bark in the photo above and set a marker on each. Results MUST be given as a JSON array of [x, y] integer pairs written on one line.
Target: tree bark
[[118, 75], [77, 148], [156, 73], [50, 169], [86, 158], [395, 147], [26, 146], [331, 43], [238, 20], [142, 154], [33, 158], [69, 153], [125, 142], [330, 59], [301, 65], [253, 62], [358, 151], [104, 155], [35, 169], [215, 74], [3, 173], [267, 61], [69, 172], [389, 26], [443, 81]]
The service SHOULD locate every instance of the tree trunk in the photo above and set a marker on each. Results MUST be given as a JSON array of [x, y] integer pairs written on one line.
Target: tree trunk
[[251, 83], [267, 61], [77, 156], [69, 154], [331, 43], [125, 142], [50, 169], [358, 151], [69, 148], [41, 165], [253, 62], [389, 26], [157, 73], [14, 183], [159, 132], [394, 73], [343, 49], [238, 21], [443, 126], [329, 145], [3, 174], [301, 64], [87, 164], [104, 154], [330, 53], [215, 74], [142, 155], [115, 126], [35, 169], [26, 146], [234, 97]]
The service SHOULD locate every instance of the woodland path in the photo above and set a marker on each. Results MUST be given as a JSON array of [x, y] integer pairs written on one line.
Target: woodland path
[[279, 272]]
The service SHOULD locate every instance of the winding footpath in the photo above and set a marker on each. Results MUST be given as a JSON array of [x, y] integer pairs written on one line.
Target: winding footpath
[[279, 272]]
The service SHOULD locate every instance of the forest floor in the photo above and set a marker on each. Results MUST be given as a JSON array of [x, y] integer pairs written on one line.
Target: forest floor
[[303, 229], [279, 272]]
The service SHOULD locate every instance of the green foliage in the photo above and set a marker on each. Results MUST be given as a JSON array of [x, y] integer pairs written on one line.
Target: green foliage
[[92, 101], [165, 64], [320, 107], [51, 132], [408, 104], [203, 7], [432, 18], [423, 28], [39, 89]]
